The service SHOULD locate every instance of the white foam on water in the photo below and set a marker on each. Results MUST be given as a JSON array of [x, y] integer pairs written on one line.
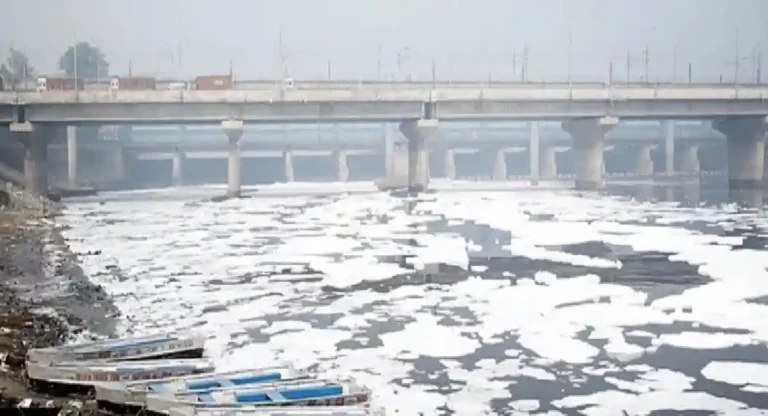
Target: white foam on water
[[749, 376], [425, 337], [704, 340], [197, 268]]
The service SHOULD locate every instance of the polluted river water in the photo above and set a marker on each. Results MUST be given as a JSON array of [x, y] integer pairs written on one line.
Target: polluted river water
[[469, 301]]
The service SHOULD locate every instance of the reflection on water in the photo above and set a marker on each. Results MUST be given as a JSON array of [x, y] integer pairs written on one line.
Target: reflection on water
[[692, 194]]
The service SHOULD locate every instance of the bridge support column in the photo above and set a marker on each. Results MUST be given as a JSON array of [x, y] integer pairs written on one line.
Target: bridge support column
[[72, 163], [35, 141], [746, 150], [390, 153], [342, 168], [669, 147], [500, 165], [234, 131], [689, 160], [548, 163], [288, 173], [120, 170], [534, 152], [449, 164], [643, 161], [588, 136], [417, 132], [178, 167]]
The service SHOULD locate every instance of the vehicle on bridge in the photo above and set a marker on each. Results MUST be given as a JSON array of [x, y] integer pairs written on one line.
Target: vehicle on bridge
[[59, 84], [214, 82], [178, 86], [132, 83]]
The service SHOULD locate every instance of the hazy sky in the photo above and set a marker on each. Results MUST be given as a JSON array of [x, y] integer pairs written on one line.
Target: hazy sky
[[465, 38]]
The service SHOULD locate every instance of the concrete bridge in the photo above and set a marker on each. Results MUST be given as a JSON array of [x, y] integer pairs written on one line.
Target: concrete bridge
[[374, 103], [588, 112]]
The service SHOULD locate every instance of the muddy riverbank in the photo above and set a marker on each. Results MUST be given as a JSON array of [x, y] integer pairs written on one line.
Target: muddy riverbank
[[45, 299]]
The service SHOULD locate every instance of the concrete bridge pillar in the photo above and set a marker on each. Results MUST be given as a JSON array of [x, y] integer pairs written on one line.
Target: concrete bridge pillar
[[746, 150], [689, 160], [548, 163], [449, 164], [588, 137], [643, 161], [288, 173], [500, 165], [669, 147], [389, 151], [342, 167], [35, 141], [417, 132], [534, 152], [72, 163], [120, 170], [400, 161], [178, 167], [234, 131]]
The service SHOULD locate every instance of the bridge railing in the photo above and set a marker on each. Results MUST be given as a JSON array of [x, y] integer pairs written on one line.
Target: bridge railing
[[269, 84]]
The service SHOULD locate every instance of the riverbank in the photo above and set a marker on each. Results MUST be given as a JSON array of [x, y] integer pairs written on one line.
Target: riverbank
[[45, 299]]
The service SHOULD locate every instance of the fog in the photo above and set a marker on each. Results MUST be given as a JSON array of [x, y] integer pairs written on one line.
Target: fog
[[399, 38]]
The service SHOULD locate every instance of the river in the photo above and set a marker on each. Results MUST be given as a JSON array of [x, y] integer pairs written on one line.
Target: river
[[471, 300]]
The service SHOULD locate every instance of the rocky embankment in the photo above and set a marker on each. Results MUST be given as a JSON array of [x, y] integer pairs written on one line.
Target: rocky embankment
[[44, 297]]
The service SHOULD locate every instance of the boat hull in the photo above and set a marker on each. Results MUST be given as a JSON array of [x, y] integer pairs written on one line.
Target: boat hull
[[84, 376], [133, 394], [146, 348], [349, 395], [280, 411]]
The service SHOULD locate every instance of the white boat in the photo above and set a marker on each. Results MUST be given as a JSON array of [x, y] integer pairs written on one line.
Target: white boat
[[133, 394], [292, 393], [150, 347], [276, 411], [86, 373]]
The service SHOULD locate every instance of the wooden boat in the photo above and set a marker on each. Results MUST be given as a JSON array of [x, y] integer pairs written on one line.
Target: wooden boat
[[276, 411], [82, 376], [291, 393], [133, 394], [143, 348]]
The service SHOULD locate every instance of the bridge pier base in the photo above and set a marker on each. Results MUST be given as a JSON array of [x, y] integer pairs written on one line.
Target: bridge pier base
[[35, 141], [644, 161], [500, 165], [588, 137], [548, 163], [417, 132], [746, 150], [72, 162], [234, 131], [449, 164], [534, 155], [178, 168], [288, 171], [342, 167], [689, 160]]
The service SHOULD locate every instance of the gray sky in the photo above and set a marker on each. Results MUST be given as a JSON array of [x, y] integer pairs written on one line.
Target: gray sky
[[465, 38]]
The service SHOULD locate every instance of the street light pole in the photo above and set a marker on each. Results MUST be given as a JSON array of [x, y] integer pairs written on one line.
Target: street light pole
[[646, 58], [736, 64], [570, 49]]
